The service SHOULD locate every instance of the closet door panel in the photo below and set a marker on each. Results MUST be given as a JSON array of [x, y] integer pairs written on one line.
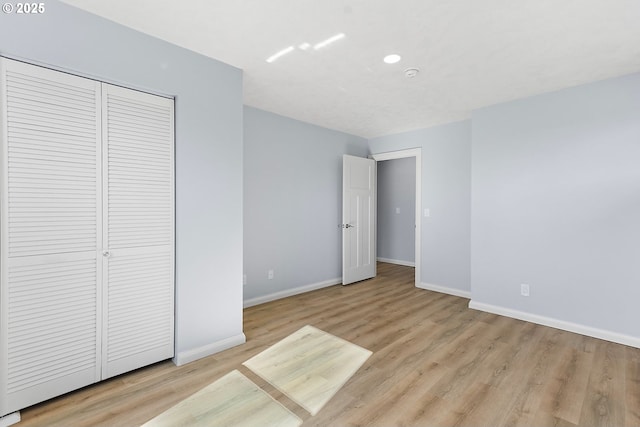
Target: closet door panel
[[51, 232], [138, 153], [140, 328]]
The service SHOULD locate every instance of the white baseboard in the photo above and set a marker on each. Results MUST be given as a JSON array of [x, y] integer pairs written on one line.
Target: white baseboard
[[290, 292], [10, 419], [397, 261], [185, 357], [445, 290], [558, 324]]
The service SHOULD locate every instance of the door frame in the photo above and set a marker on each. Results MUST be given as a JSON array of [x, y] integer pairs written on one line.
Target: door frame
[[401, 154]]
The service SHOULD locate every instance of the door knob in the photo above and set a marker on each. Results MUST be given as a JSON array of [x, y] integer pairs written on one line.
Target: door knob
[[106, 254]]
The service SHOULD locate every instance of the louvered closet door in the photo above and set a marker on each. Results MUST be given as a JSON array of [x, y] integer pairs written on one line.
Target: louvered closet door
[[139, 232], [51, 232]]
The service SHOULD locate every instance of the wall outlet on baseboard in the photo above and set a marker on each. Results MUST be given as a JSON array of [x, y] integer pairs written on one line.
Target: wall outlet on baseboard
[[524, 289], [270, 275]]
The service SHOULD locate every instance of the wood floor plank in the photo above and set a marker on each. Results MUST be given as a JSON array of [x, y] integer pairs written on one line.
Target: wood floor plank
[[605, 395], [525, 378], [632, 394], [399, 395], [565, 394], [435, 362]]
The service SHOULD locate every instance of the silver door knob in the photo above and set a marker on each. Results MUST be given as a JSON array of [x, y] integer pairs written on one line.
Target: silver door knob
[[106, 254]]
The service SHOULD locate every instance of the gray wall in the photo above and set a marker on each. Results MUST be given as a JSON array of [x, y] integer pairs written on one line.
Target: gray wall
[[208, 149], [556, 205], [397, 190], [292, 202], [446, 192]]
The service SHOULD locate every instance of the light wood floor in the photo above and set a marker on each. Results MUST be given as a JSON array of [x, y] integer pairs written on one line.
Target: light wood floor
[[435, 362]]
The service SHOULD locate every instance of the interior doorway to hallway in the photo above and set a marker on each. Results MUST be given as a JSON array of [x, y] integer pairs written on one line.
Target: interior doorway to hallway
[[399, 223]]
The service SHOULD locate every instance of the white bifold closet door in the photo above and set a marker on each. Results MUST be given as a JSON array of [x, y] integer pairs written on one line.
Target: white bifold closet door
[[86, 232], [50, 298], [138, 236]]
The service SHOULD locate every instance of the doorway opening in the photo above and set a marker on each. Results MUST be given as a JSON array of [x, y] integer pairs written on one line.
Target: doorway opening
[[417, 154]]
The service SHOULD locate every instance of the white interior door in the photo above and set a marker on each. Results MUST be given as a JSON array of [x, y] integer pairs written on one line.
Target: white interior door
[[358, 219]]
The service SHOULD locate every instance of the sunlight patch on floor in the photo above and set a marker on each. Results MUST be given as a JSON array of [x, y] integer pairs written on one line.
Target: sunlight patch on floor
[[309, 366], [233, 400]]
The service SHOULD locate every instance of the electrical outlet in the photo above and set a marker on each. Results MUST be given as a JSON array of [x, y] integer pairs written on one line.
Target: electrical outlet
[[524, 289], [270, 275], [244, 279]]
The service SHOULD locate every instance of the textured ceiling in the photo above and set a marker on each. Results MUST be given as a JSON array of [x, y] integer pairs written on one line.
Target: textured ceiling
[[470, 53]]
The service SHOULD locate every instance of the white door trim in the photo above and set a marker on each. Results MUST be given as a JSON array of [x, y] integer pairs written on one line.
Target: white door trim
[[401, 154]]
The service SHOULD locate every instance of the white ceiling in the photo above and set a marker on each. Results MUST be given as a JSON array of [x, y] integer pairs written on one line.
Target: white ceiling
[[471, 53]]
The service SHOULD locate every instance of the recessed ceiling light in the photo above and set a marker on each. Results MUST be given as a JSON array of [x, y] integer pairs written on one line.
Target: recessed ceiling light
[[279, 54], [392, 59]]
